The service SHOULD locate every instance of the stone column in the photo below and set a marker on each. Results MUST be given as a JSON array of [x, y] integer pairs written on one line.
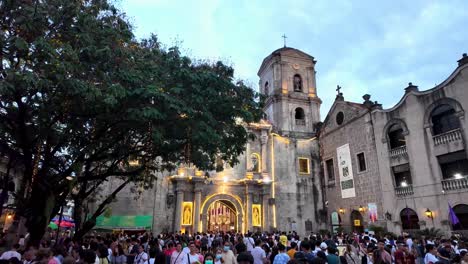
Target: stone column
[[263, 142], [249, 196], [434, 163], [178, 213], [248, 162], [198, 191], [266, 208]]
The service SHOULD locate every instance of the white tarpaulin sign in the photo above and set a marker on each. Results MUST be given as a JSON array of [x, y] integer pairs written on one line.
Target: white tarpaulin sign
[[346, 172]]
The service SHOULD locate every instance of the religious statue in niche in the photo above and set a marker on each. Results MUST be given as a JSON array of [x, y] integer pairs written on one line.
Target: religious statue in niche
[[297, 83], [187, 213], [256, 215], [255, 160]]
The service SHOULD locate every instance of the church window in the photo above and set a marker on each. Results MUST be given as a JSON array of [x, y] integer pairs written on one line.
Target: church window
[[396, 136], [453, 165], [297, 83], [444, 119], [299, 116], [330, 170], [304, 166], [361, 162], [402, 175], [255, 161], [267, 89], [339, 118]]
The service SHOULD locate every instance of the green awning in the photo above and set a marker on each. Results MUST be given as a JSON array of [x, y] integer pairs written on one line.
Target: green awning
[[125, 222]]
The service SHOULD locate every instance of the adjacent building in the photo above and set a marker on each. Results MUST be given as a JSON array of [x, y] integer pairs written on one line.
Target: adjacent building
[[413, 165]]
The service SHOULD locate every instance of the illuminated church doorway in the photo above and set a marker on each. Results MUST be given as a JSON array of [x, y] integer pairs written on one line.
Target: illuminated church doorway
[[222, 216]]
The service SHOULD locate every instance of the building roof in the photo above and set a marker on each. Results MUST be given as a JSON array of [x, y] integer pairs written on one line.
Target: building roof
[[282, 52]]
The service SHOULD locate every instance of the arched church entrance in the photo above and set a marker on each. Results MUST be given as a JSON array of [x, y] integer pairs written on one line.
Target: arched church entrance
[[222, 216], [222, 212]]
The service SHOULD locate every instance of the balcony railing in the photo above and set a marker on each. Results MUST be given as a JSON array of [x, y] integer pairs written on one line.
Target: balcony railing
[[450, 136], [404, 191], [300, 122], [398, 152], [455, 184]]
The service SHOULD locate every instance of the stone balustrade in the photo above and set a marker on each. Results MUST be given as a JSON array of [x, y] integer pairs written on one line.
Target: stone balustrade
[[300, 122], [404, 191], [455, 184], [450, 136], [398, 152]]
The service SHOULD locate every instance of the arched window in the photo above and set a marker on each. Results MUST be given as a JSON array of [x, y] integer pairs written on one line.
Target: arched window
[[299, 116], [297, 83], [444, 119], [266, 89], [396, 136], [461, 212], [409, 219]]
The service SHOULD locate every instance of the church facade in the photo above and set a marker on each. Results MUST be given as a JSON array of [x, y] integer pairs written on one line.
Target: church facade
[[275, 186]]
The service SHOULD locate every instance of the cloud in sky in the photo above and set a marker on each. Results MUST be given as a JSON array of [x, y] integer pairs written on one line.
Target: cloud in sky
[[370, 47]]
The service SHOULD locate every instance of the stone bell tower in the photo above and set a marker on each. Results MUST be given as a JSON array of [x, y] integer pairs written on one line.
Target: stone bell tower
[[287, 78]]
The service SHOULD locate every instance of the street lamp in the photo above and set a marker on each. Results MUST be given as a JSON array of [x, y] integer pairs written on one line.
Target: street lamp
[[341, 211], [361, 209], [429, 214]]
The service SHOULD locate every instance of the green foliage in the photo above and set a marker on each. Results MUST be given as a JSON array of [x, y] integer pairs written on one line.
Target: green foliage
[[429, 232], [324, 232], [339, 230], [79, 94], [378, 230]]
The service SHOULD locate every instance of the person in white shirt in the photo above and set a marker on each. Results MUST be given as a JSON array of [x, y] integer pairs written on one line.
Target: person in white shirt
[[193, 256], [178, 256], [430, 257], [258, 253], [13, 253], [249, 242], [142, 257]]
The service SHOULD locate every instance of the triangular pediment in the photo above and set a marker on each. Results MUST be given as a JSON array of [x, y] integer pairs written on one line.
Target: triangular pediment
[[350, 111]]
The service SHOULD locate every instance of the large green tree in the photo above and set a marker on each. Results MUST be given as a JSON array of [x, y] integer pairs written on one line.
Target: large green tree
[[79, 95]]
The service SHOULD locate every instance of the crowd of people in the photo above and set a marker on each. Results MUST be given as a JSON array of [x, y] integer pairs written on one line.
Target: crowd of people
[[234, 248]]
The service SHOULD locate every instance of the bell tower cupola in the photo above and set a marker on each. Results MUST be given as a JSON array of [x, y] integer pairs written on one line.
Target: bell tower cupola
[[287, 79]]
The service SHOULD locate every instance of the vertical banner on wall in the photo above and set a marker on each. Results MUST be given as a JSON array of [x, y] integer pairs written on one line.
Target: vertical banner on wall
[[187, 209], [256, 214], [372, 207], [346, 172]]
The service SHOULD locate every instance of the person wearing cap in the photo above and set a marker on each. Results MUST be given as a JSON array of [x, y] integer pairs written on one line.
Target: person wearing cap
[[324, 248]]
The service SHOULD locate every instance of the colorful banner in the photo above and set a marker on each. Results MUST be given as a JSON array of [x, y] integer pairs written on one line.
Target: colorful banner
[[187, 209], [345, 170], [372, 209], [256, 214]]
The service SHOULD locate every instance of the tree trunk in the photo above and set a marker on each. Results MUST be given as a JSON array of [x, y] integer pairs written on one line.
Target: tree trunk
[[39, 210], [91, 222]]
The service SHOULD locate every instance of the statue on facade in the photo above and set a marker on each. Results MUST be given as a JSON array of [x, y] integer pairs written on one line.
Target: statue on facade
[[187, 216], [297, 83]]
